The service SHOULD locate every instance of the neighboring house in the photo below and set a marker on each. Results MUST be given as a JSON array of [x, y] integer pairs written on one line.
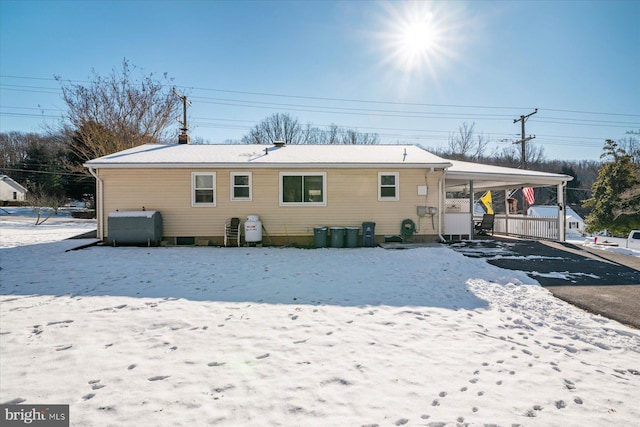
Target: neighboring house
[[11, 191], [292, 188], [574, 223]]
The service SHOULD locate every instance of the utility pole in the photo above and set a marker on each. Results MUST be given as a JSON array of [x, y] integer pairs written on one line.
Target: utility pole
[[183, 138], [523, 141], [523, 156]]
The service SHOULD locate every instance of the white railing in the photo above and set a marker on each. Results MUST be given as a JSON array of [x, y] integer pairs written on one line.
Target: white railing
[[459, 224], [526, 226]]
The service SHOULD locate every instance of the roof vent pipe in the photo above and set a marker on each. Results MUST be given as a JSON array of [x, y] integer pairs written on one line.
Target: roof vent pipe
[[279, 144]]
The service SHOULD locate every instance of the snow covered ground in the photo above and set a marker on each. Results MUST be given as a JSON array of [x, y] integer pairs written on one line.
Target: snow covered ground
[[288, 337], [610, 244]]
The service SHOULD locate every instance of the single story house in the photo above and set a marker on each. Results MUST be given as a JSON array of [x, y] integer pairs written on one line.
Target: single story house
[[292, 188], [11, 191]]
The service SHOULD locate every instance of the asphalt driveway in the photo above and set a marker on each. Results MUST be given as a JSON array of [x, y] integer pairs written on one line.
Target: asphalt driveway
[[601, 282]]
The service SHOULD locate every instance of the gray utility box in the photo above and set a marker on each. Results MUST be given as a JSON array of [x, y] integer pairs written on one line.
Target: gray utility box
[[135, 228]]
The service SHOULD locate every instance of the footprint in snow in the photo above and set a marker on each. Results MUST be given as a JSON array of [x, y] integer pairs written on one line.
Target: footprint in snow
[[263, 356], [88, 396], [158, 378], [216, 363], [63, 347], [130, 367]]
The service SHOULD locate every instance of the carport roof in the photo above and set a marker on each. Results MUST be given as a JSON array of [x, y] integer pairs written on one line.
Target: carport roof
[[487, 177]]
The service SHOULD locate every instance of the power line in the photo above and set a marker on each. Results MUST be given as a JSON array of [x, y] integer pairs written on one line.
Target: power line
[[47, 172], [354, 100]]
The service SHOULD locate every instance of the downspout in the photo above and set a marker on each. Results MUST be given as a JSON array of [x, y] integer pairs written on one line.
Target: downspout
[[440, 190], [99, 205]]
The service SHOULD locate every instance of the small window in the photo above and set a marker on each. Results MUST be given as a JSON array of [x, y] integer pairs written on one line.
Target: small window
[[15, 195], [241, 186], [203, 189], [303, 189], [388, 186]]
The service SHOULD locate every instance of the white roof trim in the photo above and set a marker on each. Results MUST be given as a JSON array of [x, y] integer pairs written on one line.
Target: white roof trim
[[253, 156]]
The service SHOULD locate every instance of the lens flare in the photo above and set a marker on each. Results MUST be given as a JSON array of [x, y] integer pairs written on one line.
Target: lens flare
[[419, 37]]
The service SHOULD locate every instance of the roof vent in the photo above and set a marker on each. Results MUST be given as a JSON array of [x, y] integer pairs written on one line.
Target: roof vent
[[279, 144]]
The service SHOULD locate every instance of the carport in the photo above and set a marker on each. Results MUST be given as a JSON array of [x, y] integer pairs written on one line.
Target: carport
[[465, 178]]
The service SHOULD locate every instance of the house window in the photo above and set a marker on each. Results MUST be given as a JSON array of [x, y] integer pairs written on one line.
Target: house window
[[303, 189], [241, 186], [203, 189], [15, 195], [388, 186]]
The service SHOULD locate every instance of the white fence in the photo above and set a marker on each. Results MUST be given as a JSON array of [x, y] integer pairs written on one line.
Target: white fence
[[527, 226], [458, 225]]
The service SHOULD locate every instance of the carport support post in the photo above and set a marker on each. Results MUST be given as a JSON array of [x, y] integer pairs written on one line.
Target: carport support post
[[562, 213], [471, 209], [506, 212]]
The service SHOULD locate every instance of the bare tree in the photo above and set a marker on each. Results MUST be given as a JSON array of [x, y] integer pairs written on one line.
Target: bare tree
[[512, 157], [631, 144], [117, 112], [283, 127], [351, 136], [465, 144], [14, 147], [43, 203], [276, 127]]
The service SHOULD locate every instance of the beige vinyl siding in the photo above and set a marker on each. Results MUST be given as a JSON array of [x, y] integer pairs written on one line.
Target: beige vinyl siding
[[351, 198]]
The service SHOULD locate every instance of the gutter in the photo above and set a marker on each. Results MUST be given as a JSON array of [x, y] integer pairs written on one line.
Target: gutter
[[99, 204]]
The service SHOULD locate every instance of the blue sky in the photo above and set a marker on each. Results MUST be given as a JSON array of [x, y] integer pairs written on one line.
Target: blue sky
[[412, 72]]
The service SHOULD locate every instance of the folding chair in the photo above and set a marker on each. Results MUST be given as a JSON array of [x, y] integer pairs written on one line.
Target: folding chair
[[485, 225], [232, 230]]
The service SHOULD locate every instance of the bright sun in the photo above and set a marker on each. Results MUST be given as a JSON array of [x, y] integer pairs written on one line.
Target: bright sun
[[417, 39], [419, 36]]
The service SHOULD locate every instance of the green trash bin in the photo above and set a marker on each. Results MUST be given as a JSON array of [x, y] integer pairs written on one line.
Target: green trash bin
[[352, 237], [320, 237], [337, 237]]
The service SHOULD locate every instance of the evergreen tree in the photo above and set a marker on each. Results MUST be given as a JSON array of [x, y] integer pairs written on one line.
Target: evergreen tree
[[615, 196], [573, 196]]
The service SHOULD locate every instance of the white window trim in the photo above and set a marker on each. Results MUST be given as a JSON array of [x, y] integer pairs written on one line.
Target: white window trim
[[232, 192], [324, 189], [193, 190], [397, 187]]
